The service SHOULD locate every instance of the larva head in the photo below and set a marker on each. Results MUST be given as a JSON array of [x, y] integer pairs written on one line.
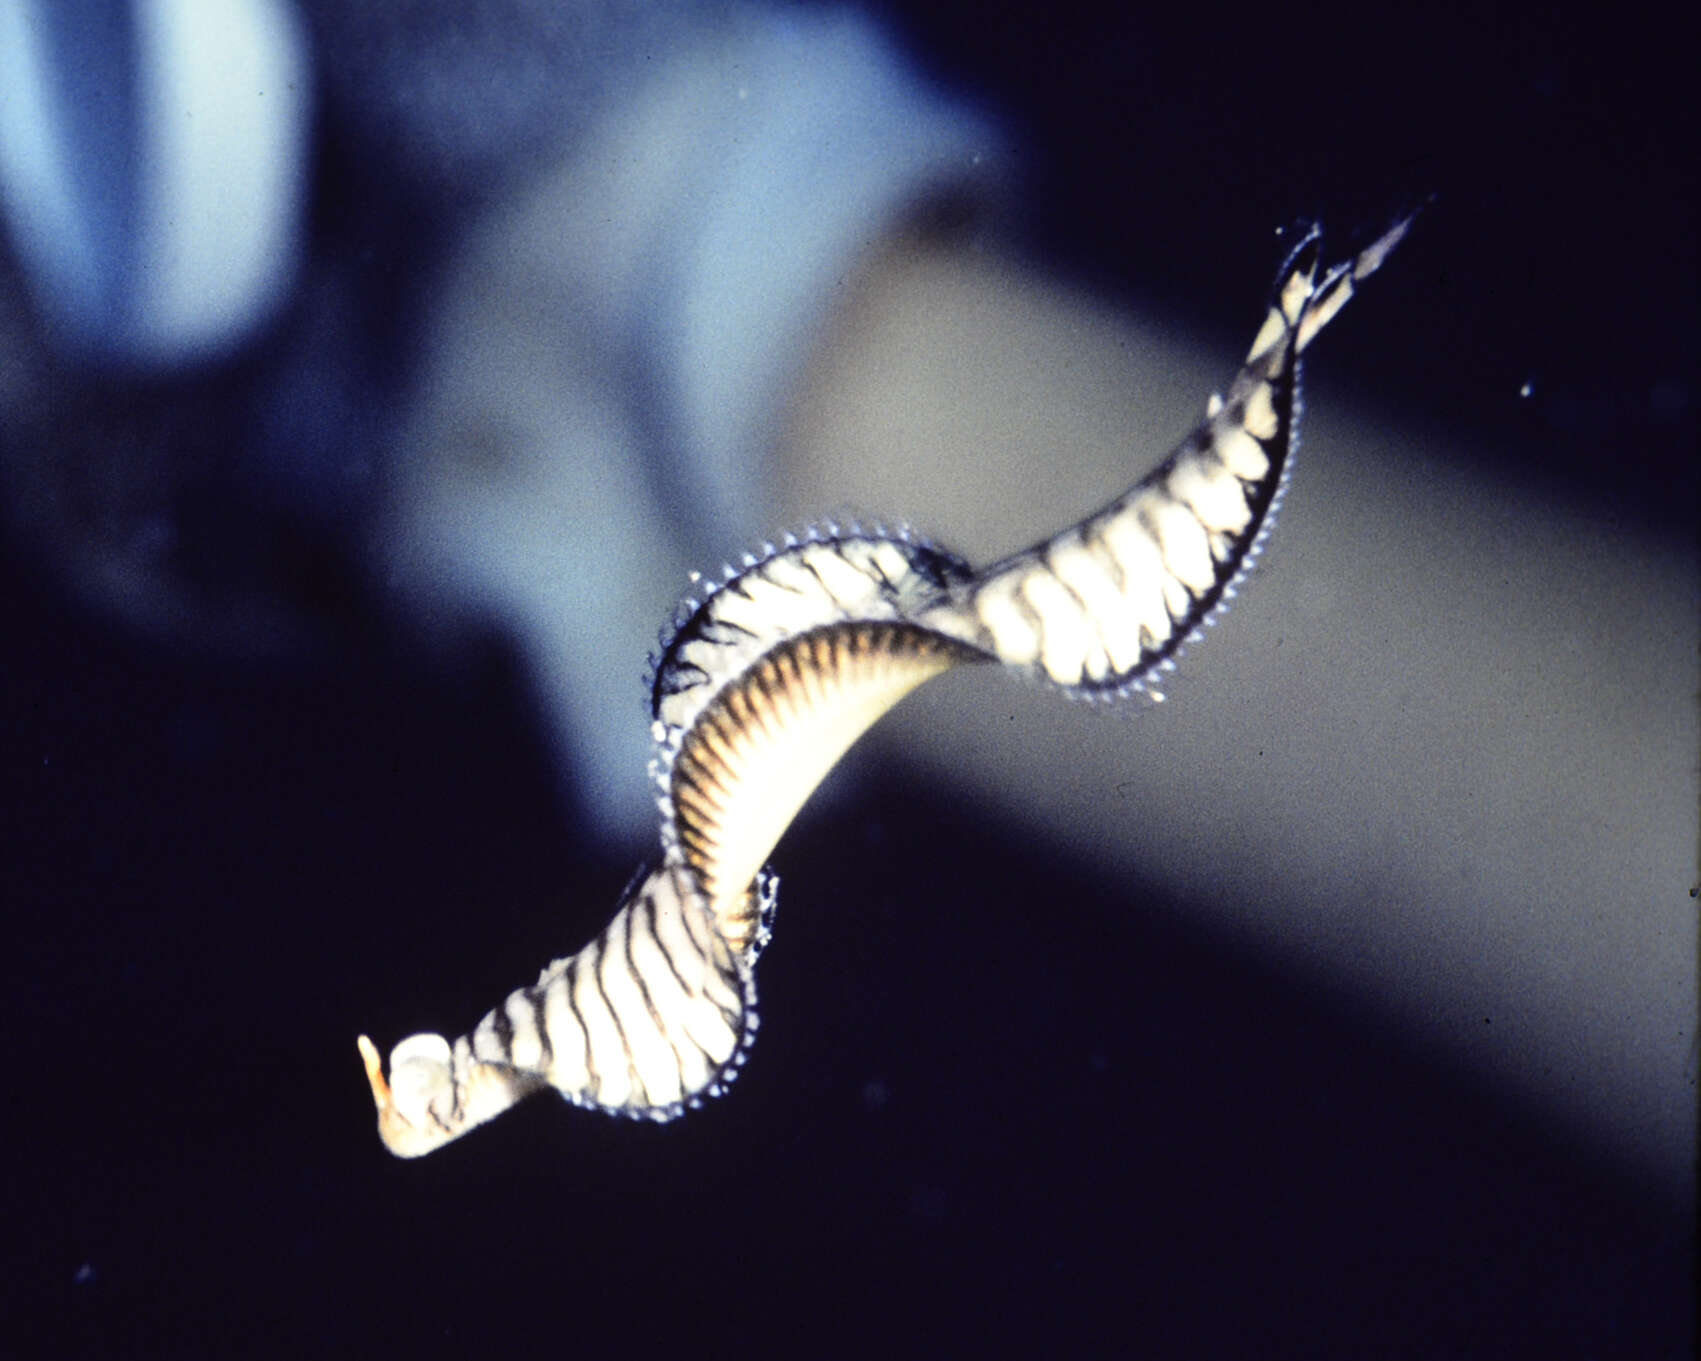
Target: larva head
[[416, 1105], [436, 1093]]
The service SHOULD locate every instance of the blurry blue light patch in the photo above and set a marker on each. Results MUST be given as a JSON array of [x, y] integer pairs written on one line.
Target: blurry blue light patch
[[152, 170]]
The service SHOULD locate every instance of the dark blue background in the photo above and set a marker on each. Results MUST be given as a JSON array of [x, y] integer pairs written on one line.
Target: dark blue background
[[963, 1130]]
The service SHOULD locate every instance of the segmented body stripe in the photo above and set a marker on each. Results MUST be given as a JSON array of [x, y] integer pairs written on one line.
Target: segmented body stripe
[[767, 679], [565, 992]]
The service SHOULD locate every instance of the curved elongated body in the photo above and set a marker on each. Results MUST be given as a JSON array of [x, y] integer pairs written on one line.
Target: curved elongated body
[[775, 672]]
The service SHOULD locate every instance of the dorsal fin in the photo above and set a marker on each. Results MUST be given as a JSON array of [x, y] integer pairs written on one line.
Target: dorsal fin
[[829, 575]]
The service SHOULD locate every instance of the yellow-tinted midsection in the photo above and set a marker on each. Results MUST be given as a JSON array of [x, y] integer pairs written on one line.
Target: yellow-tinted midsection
[[757, 753]]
